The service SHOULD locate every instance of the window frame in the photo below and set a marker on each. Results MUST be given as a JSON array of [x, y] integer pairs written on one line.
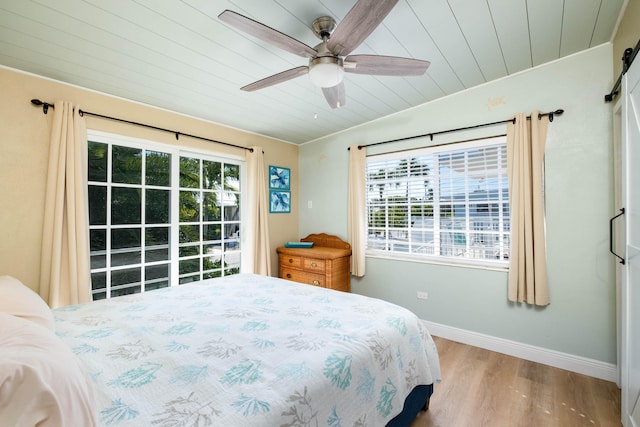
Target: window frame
[[174, 188], [408, 154]]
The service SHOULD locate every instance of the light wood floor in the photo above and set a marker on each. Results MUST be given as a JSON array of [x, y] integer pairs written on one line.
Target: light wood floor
[[483, 388]]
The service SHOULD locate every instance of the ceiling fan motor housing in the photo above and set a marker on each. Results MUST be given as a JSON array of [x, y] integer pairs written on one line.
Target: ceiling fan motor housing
[[323, 26]]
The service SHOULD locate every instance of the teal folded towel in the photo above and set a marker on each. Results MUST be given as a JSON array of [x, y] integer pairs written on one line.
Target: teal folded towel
[[298, 245]]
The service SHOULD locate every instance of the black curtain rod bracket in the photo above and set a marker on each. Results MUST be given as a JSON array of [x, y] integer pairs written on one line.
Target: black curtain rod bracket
[[46, 105], [550, 114]]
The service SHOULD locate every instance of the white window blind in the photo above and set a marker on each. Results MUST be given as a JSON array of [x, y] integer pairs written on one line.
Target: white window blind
[[447, 203]]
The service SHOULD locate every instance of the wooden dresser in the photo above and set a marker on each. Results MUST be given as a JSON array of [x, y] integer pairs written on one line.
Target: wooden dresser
[[327, 264]]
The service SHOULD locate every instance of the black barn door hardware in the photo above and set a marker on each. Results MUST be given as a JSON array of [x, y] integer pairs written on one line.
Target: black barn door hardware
[[611, 235]]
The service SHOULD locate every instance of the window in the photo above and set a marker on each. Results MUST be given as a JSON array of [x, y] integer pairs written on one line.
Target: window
[[441, 203], [159, 216]]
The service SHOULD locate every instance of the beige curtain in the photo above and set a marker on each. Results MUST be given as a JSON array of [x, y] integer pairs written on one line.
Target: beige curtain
[[357, 211], [525, 164], [257, 248], [65, 276]]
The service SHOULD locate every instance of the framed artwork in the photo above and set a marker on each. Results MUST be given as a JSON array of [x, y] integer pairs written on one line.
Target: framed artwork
[[279, 201], [279, 178]]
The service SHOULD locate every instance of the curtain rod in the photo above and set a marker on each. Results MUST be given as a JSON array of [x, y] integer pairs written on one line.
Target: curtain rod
[[550, 114], [46, 106]]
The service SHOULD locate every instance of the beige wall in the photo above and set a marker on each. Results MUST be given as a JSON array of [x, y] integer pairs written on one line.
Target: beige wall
[[24, 133], [627, 35]]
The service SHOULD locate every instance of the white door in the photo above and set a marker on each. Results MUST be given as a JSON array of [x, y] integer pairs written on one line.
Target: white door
[[630, 298]]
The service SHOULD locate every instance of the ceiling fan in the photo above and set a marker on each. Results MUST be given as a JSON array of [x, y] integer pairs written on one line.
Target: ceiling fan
[[329, 60]]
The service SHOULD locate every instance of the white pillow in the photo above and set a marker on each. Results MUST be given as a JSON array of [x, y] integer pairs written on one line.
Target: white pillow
[[19, 300], [42, 383]]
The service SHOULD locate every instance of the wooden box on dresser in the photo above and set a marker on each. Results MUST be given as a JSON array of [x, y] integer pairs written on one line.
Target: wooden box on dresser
[[327, 264]]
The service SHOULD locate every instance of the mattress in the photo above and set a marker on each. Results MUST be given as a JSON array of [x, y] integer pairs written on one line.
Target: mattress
[[249, 350]]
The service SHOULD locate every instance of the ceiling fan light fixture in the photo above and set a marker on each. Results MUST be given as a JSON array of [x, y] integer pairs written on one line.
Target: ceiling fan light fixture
[[326, 71]]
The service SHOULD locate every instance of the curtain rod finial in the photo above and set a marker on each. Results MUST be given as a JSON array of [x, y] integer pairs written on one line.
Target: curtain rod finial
[[45, 105], [558, 112], [550, 114]]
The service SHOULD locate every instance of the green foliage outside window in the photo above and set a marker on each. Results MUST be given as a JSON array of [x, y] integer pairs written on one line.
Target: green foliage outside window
[[131, 220]]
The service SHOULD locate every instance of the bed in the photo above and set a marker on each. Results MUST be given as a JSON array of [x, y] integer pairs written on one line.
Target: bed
[[251, 350]]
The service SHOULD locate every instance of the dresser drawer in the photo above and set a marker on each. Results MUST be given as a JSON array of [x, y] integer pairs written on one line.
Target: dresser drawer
[[303, 277], [291, 261], [315, 265]]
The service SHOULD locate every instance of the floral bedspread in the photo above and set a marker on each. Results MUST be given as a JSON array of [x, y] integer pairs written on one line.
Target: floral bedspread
[[249, 350]]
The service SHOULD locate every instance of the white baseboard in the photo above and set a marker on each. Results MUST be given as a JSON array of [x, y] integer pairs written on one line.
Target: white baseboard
[[557, 359]]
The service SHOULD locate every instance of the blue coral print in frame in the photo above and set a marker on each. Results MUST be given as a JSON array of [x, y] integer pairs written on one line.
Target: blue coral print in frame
[[280, 201], [279, 178]]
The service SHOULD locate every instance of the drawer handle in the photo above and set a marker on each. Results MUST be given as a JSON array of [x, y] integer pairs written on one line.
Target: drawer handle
[[290, 260], [316, 282], [288, 275], [313, 264]]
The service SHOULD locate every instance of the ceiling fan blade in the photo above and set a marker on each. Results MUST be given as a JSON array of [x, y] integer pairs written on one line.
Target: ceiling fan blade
[[276, 78], [356, 26], [267, 34], [379, 65], [335, 95]]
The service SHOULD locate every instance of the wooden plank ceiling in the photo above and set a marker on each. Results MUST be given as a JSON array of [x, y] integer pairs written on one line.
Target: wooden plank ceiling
[[179, 56]]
